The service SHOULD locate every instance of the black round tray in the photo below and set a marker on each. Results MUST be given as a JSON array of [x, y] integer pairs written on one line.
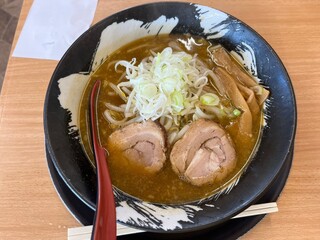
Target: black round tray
[[232, 229]]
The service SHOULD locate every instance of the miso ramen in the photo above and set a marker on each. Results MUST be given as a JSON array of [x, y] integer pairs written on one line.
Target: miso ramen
[[178, 116]]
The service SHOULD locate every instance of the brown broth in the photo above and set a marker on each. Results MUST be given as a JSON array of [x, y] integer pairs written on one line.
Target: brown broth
[[164, 186]]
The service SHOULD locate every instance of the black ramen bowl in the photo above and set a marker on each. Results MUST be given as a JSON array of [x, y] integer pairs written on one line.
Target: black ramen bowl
[[90, 49]]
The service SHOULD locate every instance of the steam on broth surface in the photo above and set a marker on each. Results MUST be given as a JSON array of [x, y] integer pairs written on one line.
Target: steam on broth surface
[[172, 84]]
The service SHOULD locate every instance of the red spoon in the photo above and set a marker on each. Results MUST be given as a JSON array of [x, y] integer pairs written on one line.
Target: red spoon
[[104, 227]]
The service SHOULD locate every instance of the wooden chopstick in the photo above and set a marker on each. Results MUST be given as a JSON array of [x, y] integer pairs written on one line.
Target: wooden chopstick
[[259, 209], [84, 233]]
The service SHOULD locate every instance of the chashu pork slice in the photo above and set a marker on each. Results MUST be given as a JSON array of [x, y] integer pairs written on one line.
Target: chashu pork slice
[[205, 153], [141, 143]]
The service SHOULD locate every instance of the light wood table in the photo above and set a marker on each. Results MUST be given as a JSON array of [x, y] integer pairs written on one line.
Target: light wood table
[[29, 205]]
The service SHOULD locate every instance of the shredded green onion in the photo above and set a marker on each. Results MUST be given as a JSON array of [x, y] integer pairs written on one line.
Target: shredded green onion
[[177, 101], [168, 84], [163, 84], [209, 99], [236, 112]]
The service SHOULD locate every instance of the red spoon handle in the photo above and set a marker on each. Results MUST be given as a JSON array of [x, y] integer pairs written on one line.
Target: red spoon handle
[[105, 218]]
